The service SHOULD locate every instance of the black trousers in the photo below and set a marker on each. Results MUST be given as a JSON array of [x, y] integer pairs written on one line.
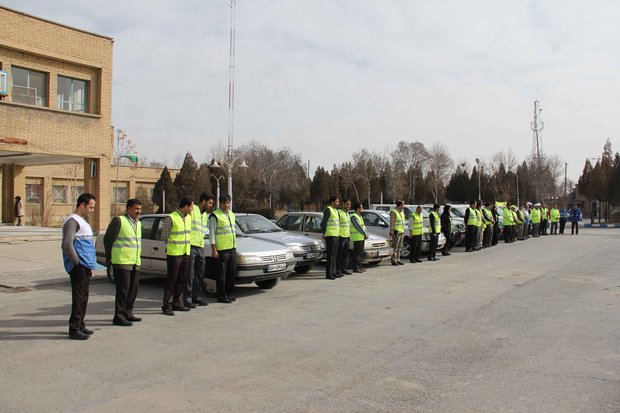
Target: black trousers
[[358, 253], [80, 282], [495, 239], [415, 246], [225, 283], [487, 236], [554, 228], [562, 225], [127, 282], [432, 248], [331, 246], [574, 228], [470, 237], [342, 255], [448, 245], [178, 268]]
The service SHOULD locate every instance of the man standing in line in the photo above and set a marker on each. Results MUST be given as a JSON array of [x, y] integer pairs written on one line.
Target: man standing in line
[[223, 240], [563, 218], [195, 287], [496, 229], [330, 226], [343, 239], [358, 236], [123, 247], [508, 221], [175, 234], [416, 229], [446, 229], [470, 221], [518, 223], [487, 216], [79, 257], [397, 231], [526, 221], [544, 220], [478, 211], [574, 217], [19, 210], [554, 217], [536, 217], [434, 229]]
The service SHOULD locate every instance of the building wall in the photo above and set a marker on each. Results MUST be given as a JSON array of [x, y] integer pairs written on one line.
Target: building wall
[[36, 44]]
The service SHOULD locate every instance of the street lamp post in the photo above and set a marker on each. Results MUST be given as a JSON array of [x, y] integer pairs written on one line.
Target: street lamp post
[[478, 163], [217, 198]]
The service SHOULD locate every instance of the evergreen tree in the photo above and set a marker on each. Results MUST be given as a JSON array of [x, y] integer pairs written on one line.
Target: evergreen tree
[[165, 186], [187, 178]]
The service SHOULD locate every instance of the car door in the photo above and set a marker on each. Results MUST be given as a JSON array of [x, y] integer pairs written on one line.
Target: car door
[[147, 242], [312, 226]]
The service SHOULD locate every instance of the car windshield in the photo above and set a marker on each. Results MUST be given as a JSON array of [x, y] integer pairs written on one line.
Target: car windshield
[[256, 224]]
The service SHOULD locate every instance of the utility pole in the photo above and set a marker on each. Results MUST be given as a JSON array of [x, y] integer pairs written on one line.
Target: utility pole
[[565, 181], [537, 127]]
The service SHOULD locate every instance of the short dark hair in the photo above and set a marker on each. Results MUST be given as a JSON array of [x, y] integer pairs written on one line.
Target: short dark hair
[[436, 206], [185, 201], [133, 201], [85, 198], [399, 202], [18, 198], [205, 196], [357, 206], [333, 198], [225, 198], [345, 199]]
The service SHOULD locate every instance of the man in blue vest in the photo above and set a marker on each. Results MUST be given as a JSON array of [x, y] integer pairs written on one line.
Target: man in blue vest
[[195, 287], [574, 216], [123, 248], [80, 259], [563, 218]]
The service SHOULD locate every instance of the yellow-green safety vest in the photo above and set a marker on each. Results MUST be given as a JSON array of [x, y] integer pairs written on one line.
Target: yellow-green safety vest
[[545, 211], [416, 223], [554, 215], [199, 227], [355, 234], [437, 228], [507, 218], [399, 220], [515, 216], [535, 214], [128, 244], [478, 217], [178, 238], [471, 219], [225, 234], [344, 223], [332, 228]]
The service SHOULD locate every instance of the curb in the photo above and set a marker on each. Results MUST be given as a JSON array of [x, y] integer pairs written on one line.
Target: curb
[[32, 238], [601, 225]]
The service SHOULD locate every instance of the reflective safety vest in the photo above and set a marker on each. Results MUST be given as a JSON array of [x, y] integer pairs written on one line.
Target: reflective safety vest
[[478, 217], [355, 234], [416, 224], [128, 244], [225, 234], [563, 213], [471, 219], [554, 215], [178, 239], [199, 227], [507, 217], [332, 229], [345, 223], [437, 228], [515, 217], [486, 216], [399, 220], [535, 214], [545, 213]]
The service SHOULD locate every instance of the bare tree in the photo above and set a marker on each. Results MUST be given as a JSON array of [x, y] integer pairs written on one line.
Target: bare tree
[[440, 166], [407, 159]]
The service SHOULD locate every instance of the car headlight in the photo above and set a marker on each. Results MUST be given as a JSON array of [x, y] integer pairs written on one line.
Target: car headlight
[[321, 245], [290, 256], [249, 259], [297, 248]]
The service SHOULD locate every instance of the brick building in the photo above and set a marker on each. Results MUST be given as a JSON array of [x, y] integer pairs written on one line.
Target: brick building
[[55, 107]]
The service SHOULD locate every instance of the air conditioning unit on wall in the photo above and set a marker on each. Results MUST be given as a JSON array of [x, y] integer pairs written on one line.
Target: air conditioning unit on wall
[[4, 83]]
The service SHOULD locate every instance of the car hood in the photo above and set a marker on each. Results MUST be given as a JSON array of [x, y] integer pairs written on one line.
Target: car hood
[[285, 238], [254, 246]]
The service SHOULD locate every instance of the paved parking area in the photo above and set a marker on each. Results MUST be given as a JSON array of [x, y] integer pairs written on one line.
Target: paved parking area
[[531, 326]]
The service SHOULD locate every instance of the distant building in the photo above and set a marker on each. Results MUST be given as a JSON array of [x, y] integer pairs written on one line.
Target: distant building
[[55, 108]]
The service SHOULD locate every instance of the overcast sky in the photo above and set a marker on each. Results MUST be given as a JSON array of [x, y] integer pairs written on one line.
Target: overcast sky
[[329, 77]]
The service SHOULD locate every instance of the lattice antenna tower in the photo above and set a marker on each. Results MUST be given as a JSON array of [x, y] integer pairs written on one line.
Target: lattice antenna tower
[[537, 127]]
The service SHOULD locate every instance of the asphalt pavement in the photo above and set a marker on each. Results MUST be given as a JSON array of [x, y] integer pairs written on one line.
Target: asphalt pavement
[[526, 327]]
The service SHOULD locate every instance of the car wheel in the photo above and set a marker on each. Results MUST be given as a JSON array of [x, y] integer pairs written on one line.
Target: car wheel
[[405, 250], [303, 269], [268, 284], [110, 273]]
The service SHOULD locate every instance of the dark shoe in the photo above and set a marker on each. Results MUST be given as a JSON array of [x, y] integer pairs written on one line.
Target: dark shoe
[[467, 250], [122, 323], [358, 271], [395, 264], [418, 260], [338, 275], [224, 300], [347, 272], [363, 269], [435, 259], [400, 263], [87, 331], [330, 277], [180, 308], [134, 319], [201, 303], [78, 335], [231, 298], [189, 305], [168, 311]]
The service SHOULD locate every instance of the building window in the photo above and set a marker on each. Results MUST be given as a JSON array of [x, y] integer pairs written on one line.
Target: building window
[[33, 193], [29, 87], [72, 94], [119, 195], [59, 194]]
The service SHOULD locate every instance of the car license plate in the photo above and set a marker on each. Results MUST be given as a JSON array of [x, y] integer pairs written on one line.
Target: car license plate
[[276, 267], [313, 255]]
